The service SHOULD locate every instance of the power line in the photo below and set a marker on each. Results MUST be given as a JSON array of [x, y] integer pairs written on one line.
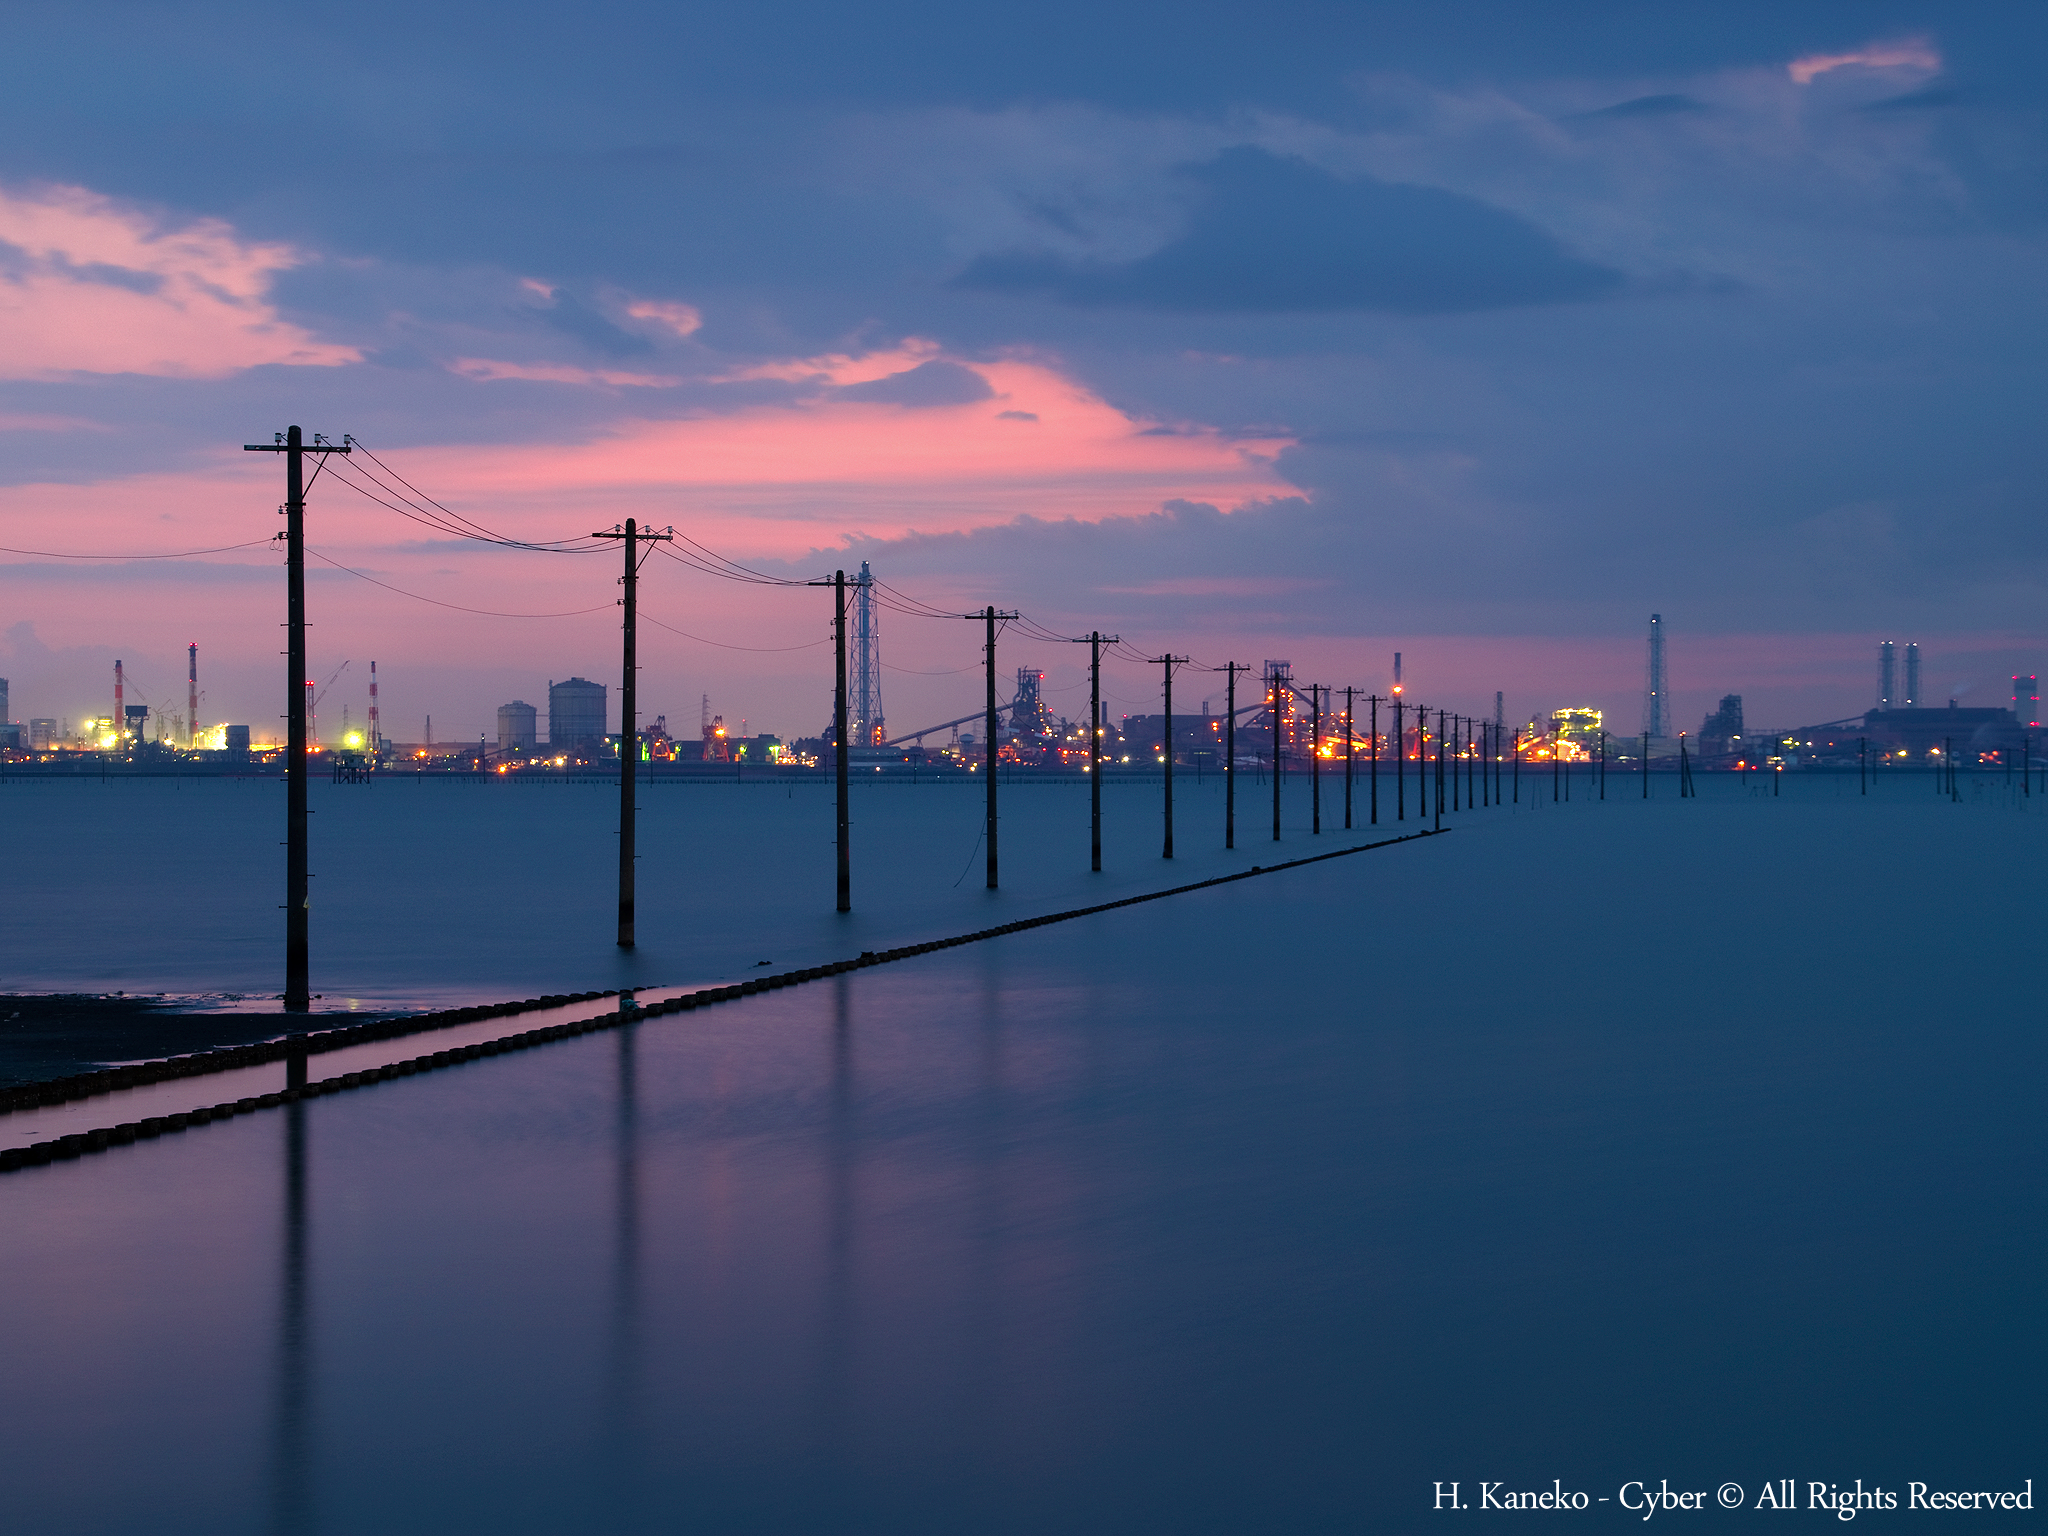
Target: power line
[[183, 554], [724, 646], [489, 613]]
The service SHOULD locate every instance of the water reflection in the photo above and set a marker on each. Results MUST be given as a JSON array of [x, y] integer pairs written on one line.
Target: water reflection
[[623, 1397], [292, 1451], [840, 1164]]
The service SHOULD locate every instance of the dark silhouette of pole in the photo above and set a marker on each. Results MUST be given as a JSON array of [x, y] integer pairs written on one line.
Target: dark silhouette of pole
[[1374, 701], [1400, 766], [1167, 663], [839, 741], [1348, 733], [1095, 642], [1862, 765], [1421, 762], [1603, 765], [629, 731], [298, 978], [1277, 753], [988, 616], [1315, 758], [842, 750], [1439, 821], [1518, 765], [630, 538], [1231, 669], [1468, 756], [989, 753], [1095, 751]]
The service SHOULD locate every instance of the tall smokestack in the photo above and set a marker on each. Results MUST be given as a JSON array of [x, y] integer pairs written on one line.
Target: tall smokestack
[[120, 717], [1912, 674], [1887, 674], [192, 696], [1656, 700], [376, 736], [312, 720], [1397, 671]]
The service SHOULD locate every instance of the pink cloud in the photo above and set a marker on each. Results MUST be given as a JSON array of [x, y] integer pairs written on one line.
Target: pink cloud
[[683, 319], [1911, 53], [104, 288], [781, 479]]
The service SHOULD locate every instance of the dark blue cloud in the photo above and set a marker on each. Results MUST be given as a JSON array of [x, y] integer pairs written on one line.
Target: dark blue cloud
[[1666, 105], [573, 317], [1277, 235], [928, 384]]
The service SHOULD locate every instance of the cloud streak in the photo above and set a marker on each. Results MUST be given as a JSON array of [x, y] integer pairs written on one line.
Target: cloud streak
[[88, 285]]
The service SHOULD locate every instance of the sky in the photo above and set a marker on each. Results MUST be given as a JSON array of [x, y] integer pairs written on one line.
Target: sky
[[1474, 331]]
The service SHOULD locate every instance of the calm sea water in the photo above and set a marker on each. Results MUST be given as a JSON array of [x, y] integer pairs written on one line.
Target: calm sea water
[[1697, 1143]]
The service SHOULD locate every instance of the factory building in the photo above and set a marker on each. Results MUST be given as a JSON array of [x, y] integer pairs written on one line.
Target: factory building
[[1721, 731], [576, 712], [42, 735], [517, 724], [1924, 732]]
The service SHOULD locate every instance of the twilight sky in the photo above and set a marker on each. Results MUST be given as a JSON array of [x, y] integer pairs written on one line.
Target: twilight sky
[[1478, 331]]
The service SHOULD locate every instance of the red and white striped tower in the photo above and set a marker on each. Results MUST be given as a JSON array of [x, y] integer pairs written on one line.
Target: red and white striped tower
[[312, 720], [376, 736], [192, 697], [120, 717]]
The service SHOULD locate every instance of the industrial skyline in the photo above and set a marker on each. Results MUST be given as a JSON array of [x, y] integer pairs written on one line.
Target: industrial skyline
[[582, 705]]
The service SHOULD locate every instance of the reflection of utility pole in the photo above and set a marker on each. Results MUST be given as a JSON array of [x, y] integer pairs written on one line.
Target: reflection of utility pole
[[298, 989], [1167, 663], [631, 537], [1231, 669]]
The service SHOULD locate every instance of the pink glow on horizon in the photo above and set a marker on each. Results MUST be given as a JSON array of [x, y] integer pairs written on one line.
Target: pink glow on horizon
[[107, 289]]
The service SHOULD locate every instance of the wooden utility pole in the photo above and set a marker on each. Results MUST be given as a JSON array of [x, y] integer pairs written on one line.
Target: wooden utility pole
[[842, 747], [1278, 751], [298, 981], [631, 537], [1095, 642], [1374, 700], [1400, 765], [1166, 664], [1348, 691], [839, 742], [988, 616], [1439, 770], [1231, 668], [1095, 751], [1315, 758]]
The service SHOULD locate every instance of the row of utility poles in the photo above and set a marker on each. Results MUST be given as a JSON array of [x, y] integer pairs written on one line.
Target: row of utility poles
[[1457, 745]]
